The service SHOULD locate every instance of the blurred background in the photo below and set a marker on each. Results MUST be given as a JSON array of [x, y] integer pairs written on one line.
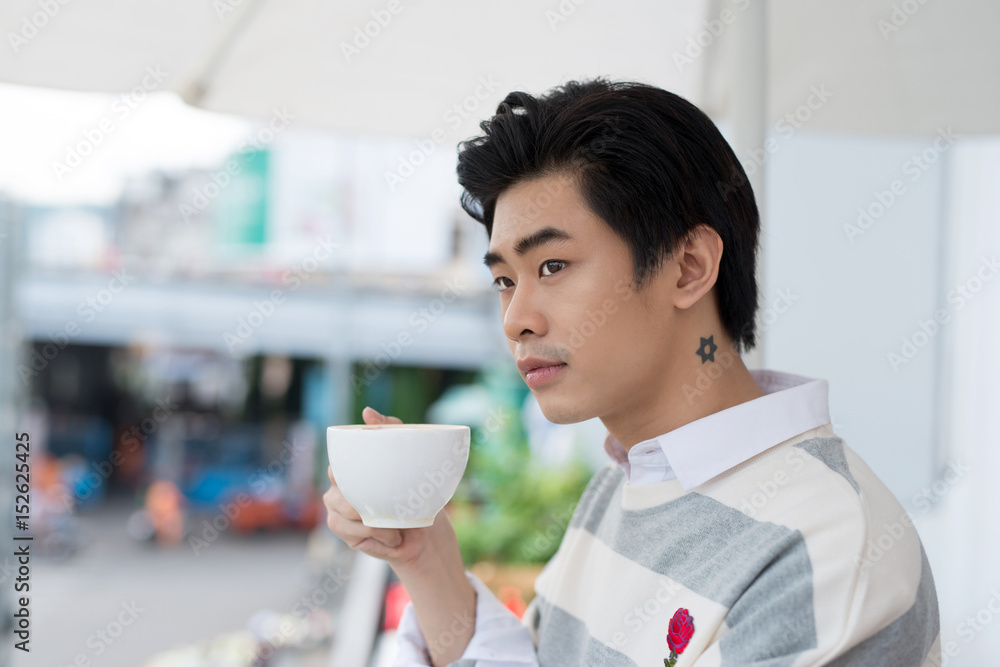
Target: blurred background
[[225, 226]]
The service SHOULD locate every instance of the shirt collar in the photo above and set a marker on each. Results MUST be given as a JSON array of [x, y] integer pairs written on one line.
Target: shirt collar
[[700, 450]]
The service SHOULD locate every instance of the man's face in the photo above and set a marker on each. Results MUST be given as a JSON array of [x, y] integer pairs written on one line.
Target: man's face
[[571, 301]]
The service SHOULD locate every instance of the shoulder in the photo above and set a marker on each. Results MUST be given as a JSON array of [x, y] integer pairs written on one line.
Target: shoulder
[[859, 552], [820, 488], [809, 484]]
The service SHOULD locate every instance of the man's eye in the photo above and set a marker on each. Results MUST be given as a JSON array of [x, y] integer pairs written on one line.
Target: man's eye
[[496, 286], [496, 283], [551, 261]]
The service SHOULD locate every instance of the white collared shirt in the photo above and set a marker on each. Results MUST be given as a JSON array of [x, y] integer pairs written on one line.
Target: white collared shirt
[[693, 454], [700, 450]]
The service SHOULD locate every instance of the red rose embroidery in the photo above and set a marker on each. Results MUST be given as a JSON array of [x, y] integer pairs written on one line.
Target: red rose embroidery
[[678, 635]]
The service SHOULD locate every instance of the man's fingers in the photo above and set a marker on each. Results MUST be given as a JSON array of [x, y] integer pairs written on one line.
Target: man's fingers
[[355, 533], [345, 521], [391, 537], [336, 503], [372, 416]]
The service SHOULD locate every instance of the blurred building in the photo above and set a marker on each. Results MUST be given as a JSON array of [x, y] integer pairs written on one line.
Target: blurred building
[[212, 321]]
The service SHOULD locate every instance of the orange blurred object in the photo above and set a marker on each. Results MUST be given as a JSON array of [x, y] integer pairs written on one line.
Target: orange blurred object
[[259, 514], [164, 505], [271, 513], [512, 599]]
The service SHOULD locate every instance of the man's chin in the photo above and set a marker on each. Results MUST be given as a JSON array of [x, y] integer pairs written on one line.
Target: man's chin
[[558, 412]]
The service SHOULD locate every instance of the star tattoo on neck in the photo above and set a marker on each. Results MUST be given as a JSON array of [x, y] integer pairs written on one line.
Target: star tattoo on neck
[[712, 347]]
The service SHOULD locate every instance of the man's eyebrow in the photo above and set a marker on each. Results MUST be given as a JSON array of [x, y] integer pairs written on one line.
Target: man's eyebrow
[[530, 242]]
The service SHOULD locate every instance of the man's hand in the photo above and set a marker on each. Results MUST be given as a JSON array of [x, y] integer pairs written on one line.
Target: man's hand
[[402, 548], [426, 560]]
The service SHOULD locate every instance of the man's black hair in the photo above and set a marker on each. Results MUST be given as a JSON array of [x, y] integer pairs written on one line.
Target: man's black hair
[[647, 162]]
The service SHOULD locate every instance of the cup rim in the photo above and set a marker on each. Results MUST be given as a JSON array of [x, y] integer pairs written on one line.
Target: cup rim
[[398, 427]]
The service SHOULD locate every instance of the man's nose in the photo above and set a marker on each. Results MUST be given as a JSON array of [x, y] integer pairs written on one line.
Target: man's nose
[[524, 313]]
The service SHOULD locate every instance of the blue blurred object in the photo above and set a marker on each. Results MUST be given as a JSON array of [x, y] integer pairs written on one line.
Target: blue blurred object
[[211, 485], [87, 435], [86, 484]]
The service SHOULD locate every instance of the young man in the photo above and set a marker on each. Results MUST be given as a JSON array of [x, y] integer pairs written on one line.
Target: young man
[[731, 526]]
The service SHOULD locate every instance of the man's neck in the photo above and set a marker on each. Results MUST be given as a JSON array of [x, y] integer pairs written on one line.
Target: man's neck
[[677, 402]]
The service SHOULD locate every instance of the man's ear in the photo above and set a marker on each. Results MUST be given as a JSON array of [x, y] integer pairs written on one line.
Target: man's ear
[[698, 258]]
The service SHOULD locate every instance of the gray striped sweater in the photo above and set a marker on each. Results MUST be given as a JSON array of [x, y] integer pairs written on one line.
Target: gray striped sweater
[[800, 555]]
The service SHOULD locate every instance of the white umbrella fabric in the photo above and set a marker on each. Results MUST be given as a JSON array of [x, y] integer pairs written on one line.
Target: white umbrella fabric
[[405, 68]]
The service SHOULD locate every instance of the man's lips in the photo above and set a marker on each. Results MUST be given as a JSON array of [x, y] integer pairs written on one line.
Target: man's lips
[[528, 364], [542, 375]]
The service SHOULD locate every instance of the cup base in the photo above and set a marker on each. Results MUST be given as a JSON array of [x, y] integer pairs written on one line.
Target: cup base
[[387, 522]]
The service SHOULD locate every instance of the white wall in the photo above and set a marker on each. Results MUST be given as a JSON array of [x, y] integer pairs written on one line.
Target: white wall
[[859, 293]]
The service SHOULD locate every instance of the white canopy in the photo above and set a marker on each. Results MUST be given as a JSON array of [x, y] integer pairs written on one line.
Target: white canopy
[[405, 68]]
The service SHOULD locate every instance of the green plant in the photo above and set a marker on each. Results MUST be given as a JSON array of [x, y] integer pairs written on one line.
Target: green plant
[[513, 509]]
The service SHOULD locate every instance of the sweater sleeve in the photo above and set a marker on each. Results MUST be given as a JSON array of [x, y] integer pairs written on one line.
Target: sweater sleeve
[[499, 640], [777, 621]]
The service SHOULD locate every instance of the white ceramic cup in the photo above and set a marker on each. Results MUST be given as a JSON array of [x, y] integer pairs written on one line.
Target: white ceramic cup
[[398, 475]]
